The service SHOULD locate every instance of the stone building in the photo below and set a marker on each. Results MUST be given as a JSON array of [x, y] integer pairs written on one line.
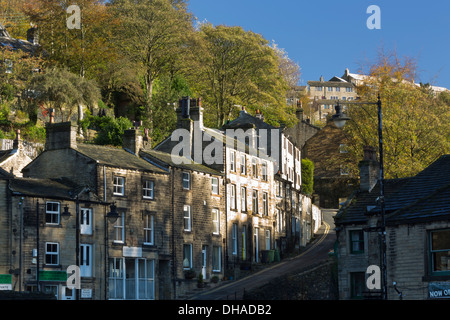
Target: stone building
[[37, 233], [262, 181], [333, 181], [15, 158], [325, 94], [198, 220], [417, 232], [247, 183], [202, 202], [139, 242]]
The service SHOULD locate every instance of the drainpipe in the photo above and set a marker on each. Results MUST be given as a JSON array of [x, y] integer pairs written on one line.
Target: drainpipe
[[173, 236]]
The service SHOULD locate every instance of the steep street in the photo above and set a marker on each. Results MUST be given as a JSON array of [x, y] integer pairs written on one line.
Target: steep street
[[314, 253]]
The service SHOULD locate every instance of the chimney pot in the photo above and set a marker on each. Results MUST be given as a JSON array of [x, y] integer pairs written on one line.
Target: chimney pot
[[52, 115]]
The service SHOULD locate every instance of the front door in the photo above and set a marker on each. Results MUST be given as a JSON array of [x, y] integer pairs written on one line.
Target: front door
[[204, 249], [256, 244]]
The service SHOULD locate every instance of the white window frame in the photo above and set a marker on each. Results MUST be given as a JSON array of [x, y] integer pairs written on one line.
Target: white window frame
[[217, 265], [215, 185], [255, 168], [255, 201], [52, 253], [148, 189], [53, 214], [149, 229], [189, 258], [243, 164], [118, 186], [265, 199], [86, 220], [119, 229], [216, 221], [186, 178], [267, 238], [243, 199], [264, 170], [232, 197], [232, 161], [234, 235], [187, 219]]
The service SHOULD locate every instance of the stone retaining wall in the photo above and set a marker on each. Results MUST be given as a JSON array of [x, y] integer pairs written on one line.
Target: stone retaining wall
[[317, 283]]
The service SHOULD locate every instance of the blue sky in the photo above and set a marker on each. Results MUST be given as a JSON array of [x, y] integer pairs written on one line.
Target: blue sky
[[325, 37]]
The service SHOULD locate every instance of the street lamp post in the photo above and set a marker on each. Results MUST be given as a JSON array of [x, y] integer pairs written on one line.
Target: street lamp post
[[66, 215], [339, 120], [112, 216]]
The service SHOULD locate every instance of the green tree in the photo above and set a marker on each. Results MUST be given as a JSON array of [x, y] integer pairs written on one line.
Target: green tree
[[151, 36], [307, 176], [232, 67], [112, 130], [64, 91], [86, 51]]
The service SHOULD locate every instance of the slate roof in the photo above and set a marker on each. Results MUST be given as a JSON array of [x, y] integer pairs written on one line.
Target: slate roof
[[434, 207], [426, 182], [5, 154], [116, 157], [18, 44], [246, 120], [47, 188], [423, 197], [166, 159], [356, 210]]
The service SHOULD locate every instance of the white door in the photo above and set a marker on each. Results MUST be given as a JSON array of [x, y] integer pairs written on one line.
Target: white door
[[85, 260], [86, 221], [67, 294]]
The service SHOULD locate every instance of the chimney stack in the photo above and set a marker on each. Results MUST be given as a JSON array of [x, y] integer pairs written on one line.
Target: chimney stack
[[17, 144], [368, 169], [52, 115], [133, 141], [62, 135], [33, 35], [259, 115]]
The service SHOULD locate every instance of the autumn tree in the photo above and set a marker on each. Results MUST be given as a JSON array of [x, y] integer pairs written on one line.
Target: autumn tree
[[64, 91], [86, 50], [415, 123], [233, 67], [152, 36], [13, 18]]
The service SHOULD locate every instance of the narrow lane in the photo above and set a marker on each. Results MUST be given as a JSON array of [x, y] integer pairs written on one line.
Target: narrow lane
[[315, 252]]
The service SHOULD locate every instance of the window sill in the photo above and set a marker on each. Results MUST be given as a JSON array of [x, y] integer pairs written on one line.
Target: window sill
[[443, 277], [52, 266]]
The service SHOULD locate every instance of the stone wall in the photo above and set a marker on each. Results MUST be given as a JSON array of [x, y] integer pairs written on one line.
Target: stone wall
[[317, 283]]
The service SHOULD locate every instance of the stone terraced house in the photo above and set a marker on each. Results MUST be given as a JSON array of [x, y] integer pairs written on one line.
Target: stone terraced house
[[417, 235], [181, 220]]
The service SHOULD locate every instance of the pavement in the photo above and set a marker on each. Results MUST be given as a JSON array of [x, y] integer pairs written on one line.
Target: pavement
[[315, 252]]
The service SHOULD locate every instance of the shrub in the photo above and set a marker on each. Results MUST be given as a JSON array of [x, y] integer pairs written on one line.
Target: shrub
[[307, 176]]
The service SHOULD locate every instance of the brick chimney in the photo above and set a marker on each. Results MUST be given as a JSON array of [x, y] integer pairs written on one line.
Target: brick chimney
[[259, 115], [369, 169], [33, 35], [133, 141], [62, 135], [18, 143]]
